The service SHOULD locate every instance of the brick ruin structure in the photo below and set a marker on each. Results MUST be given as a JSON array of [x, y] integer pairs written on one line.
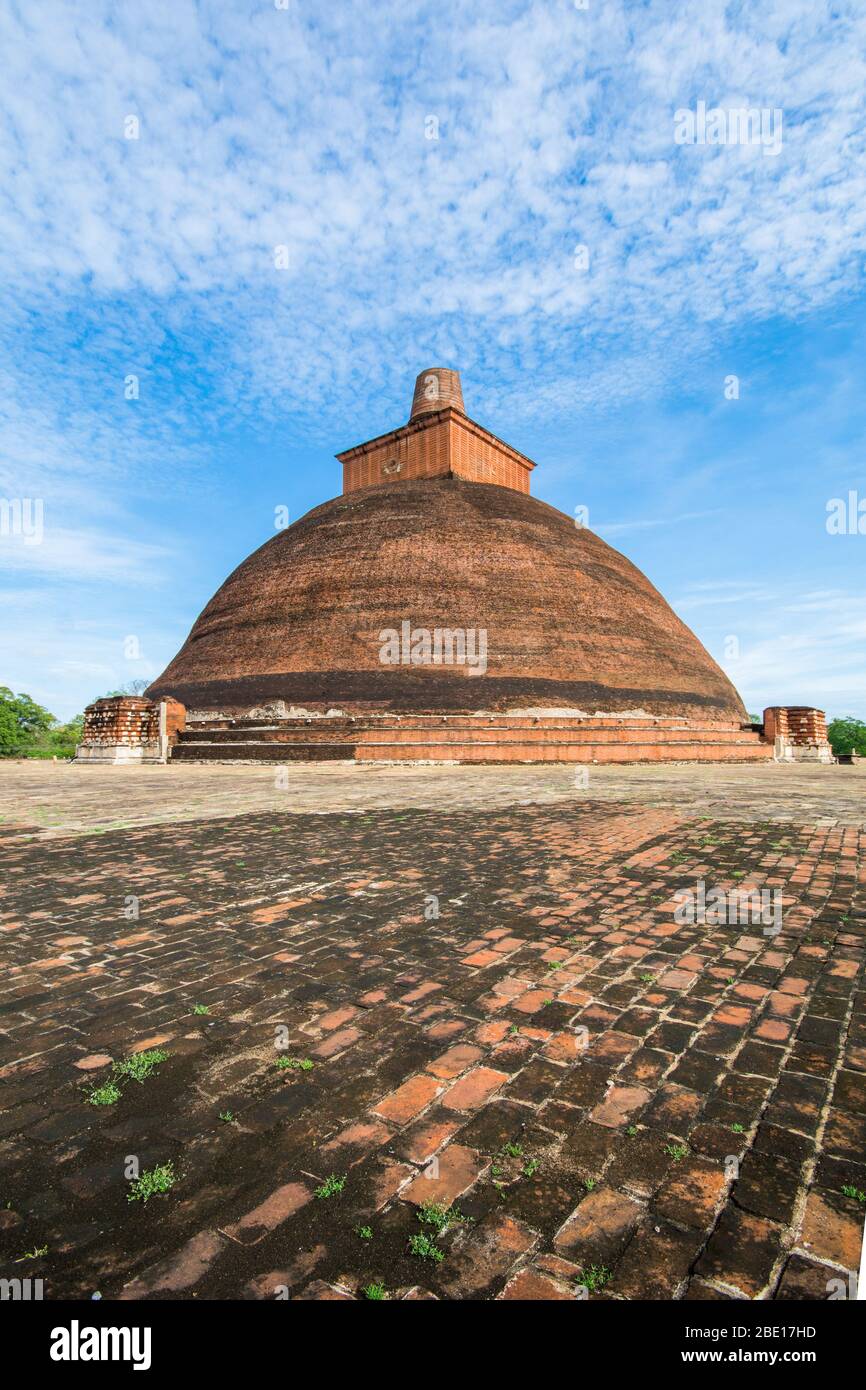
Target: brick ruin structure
[[438, 612], [797, 732], [130, 729]]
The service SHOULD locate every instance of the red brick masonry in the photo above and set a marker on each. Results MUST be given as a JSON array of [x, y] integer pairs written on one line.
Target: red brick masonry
[[470, 739], [798, 731], [133, 724], [127, 727], [436, 445], [120, 719], [439, 441]]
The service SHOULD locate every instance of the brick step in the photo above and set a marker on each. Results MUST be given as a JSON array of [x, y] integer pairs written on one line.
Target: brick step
[[388, 723], [257, 752], [545, 733], [500, 752], [413, 732], [486, 751]]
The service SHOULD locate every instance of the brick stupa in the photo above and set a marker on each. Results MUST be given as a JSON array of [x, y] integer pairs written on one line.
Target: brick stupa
[[357, 631]]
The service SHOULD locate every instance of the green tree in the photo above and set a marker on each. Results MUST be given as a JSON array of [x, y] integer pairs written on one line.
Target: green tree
[[9, 732], [28, 730], [22, 722], [847, 735]]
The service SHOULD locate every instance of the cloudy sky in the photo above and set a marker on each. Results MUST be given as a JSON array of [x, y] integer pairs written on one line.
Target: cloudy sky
[[496, 187]]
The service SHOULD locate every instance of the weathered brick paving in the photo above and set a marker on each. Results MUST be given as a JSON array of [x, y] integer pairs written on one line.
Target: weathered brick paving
[[449, 1038]]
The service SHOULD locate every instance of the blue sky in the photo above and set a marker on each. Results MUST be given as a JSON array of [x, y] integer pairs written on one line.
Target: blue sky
[[262, 126]]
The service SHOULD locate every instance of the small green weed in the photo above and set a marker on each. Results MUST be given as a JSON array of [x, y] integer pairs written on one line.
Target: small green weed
[[108, 1093], [331, 1186], [152, 1183], [440, 1217], [595, 1277], [137, 1067], [425, 1248], [35, 1254], [140, 1065]]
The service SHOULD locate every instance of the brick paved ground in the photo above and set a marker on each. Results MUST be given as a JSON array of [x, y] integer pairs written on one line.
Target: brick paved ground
[[703, 1144]]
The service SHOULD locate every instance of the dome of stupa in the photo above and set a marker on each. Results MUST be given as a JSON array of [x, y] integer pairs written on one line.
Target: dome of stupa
[[436, 532]]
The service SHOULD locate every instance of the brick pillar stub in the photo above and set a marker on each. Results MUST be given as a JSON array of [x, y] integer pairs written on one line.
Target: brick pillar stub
[[125, 729], [799, 733]]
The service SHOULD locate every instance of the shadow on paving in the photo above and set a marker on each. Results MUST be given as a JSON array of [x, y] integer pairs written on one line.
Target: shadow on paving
[[501, 1012]]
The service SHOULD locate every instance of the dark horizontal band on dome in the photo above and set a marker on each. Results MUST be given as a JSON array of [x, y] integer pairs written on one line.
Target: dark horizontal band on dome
[[426, 689]]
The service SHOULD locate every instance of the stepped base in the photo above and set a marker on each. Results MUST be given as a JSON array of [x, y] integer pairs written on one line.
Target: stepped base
[[256, 751], [464, 738]]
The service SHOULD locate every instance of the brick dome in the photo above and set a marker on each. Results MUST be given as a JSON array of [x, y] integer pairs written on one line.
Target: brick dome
[[569, 621]]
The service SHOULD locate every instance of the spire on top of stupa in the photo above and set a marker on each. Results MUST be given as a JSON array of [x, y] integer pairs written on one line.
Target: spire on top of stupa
[[436, 388], [438, 441]]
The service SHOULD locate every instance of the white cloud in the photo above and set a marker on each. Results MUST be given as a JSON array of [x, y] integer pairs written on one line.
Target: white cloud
[[84, 556], [808, 652], [306, 127], [262, 127], [70, 649], [743, 592], [620, 528]]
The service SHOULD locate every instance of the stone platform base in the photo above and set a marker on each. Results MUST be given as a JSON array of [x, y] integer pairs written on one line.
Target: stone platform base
[[470, 738], [119, 754]]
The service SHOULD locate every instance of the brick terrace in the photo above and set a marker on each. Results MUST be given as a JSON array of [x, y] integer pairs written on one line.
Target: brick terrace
[[450, 1039]]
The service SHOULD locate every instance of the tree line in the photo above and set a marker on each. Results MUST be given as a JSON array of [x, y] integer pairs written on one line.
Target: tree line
[[28, 730]]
